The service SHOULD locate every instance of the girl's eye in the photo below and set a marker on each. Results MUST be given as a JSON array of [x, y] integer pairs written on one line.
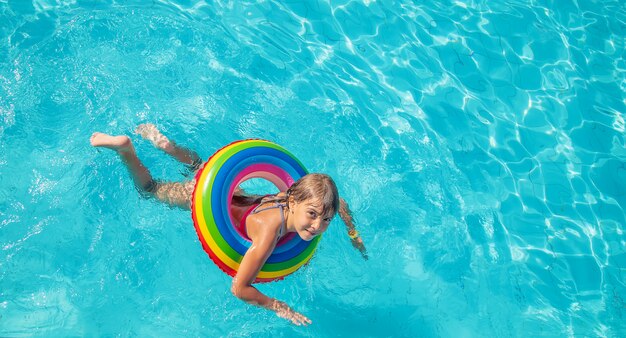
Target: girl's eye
[[312, 214], [327, 219]]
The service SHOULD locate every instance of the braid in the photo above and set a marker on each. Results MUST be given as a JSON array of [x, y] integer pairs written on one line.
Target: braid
[[243, 200]]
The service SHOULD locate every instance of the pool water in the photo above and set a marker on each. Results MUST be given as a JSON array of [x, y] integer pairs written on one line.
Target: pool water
[[480, 144]]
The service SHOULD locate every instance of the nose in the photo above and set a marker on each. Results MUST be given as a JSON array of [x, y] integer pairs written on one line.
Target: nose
[[316, 225]]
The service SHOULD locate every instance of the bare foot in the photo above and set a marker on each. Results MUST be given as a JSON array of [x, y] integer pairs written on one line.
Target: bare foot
[[149, 132], [119, 143]]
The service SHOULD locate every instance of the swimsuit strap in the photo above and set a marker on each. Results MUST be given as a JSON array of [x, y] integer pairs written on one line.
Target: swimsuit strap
[[281, 206]]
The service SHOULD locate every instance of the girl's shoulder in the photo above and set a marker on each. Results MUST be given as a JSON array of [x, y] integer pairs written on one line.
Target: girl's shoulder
[[268, 215], [266, 222]]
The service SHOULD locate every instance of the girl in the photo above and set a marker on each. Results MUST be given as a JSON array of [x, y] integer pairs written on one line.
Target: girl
[[306, 208]]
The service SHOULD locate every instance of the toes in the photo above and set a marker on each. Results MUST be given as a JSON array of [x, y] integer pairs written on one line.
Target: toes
[[140, 129], [163, 142], [93, 137]]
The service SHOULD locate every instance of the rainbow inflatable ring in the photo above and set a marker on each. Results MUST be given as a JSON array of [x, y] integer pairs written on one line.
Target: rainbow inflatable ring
[[227, 242]]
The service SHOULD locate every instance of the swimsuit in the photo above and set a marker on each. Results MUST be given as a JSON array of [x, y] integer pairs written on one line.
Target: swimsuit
[[281, 206]]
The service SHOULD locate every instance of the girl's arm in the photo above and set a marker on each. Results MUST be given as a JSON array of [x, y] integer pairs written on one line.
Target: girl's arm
[[262, 246], [346, 216]]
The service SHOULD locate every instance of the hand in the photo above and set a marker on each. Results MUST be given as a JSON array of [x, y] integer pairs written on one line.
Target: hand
[[357, 242], [284, 311]]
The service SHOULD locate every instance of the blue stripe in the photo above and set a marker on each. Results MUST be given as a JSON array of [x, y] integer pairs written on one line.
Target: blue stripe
[[219, 193], [229, 180]]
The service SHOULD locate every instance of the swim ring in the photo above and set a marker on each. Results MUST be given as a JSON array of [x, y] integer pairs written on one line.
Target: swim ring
[[226, 242]]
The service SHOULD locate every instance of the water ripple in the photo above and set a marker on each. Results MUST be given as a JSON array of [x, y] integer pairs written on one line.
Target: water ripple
[[481, 145]]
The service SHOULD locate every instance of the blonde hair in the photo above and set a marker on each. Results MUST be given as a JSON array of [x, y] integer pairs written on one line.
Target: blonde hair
[[318, 187]]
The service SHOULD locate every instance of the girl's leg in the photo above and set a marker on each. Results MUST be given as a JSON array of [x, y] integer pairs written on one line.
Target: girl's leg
[[150, 132], [175, 193], [124, 147]]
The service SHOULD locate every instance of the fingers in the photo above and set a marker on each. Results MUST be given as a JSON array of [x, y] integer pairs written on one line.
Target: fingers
[[299, 319], [363, 252], [284, 311]]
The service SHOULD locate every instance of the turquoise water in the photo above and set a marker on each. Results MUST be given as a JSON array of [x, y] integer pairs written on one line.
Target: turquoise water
[[480, 144]]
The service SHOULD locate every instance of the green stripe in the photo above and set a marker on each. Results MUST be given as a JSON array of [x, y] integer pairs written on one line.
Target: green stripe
[[208, 211], [222, 156], [273, 267]]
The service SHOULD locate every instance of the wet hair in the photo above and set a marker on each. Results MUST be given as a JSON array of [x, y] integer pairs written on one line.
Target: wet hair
[[318, 187]]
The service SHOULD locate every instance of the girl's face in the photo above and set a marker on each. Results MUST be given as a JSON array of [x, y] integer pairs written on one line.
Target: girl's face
[[308, 219]]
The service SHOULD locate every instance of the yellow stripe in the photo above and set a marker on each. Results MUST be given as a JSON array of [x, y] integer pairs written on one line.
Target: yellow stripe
[[281, 273], [200, 215]]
